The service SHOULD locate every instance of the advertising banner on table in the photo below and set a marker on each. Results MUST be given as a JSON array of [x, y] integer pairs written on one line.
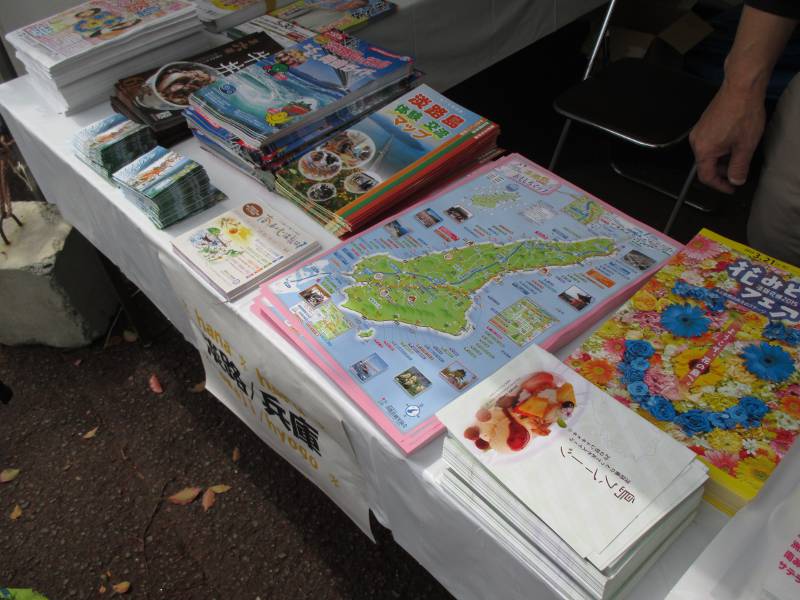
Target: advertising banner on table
[[258, 384]]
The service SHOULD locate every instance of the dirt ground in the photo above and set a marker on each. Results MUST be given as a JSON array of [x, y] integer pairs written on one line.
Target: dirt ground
[[92, 509]]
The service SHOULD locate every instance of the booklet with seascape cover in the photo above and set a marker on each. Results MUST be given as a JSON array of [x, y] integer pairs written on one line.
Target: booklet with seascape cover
[[235, 251], [108, 144], [374, 163], [271, 98], [708, 350], [415, 310], [159, 96]]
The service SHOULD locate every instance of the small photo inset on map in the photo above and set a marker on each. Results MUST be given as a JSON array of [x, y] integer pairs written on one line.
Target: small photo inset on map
[[314, 296], [459, 214], [576, 297], [458, 376], [413, 381], [396, 229], [367, 368], [638, 260], [428, 217]]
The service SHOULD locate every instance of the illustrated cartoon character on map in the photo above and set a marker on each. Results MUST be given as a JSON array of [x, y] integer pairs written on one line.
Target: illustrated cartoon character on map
[[97, 23], [513, 420]]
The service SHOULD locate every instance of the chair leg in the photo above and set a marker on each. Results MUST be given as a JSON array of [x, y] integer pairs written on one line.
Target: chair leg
[[681, 198], [560, 145]]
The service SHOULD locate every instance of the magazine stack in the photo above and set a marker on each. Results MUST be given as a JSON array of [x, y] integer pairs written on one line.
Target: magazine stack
[[166, 186], [717, 362], [75, 57], [360, 172], [218, 16], [344, 15], [585, 492], [262, 116], [110, 143]]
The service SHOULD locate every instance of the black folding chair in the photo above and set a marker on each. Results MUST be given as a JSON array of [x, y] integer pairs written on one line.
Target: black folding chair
[[638, 102]]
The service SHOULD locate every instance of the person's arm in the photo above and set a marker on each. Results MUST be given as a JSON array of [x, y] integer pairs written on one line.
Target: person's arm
[[733, 123]]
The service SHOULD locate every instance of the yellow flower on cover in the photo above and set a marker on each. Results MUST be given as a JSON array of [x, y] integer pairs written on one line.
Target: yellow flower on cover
[[610, 330], [752, 326], [644, 300], [727, 441], [791, 406], [754, 470], [598, 371], [718, 402], [689, 359]]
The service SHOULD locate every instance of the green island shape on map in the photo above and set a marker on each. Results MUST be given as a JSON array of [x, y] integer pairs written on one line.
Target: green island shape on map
[[492, 199], [435, 290]]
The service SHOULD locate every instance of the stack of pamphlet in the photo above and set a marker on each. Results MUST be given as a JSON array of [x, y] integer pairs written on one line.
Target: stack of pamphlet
[[110, 143], [269, 109], [235, 251], [75, 57], [219, 15], [717, 363], [157, 97], [344, 15], [285, 33], [419, 139], [166, 186], [585, 492]]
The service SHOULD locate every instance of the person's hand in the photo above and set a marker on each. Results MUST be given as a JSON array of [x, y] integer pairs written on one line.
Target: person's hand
[[725, 137]]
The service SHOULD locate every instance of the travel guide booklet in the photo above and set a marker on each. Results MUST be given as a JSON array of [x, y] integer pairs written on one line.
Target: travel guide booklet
[[234, 251], [159, 96], [108, 144], [375, 160], [275, 96], [708, 351], [219, 15], [417, 309], [344, 15], [285, 33], [539, 435]]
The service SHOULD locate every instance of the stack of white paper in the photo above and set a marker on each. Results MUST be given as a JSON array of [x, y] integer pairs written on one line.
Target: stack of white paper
[[218, 16], [75, 57], [585, 492]]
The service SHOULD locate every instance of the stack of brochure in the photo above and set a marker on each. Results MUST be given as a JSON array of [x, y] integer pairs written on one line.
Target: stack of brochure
[[360, 172], [261, 114], [585, 492], [219, 15], [75, 57], [110, 143], [157, 97], [166, 186], [240, 248], [285, 33]]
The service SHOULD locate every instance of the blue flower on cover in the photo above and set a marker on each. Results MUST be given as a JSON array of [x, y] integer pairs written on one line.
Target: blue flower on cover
[[721, 420], [639, 390], [638, 348], [768, 362], [660, 408], [629, 374], [775, 330], [639, 364], [755, 409], [737, 414], [693, 422], [714, 301], [685, 320]]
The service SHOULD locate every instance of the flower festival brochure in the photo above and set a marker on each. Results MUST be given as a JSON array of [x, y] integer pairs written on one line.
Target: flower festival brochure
[[708, 351]]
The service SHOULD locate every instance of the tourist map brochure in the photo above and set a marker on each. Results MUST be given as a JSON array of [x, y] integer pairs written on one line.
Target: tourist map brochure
[[344, 15], [418, 308], [238, 249], [708, 350], [159, 96], [108, 144], [573, 456], [285, 33], [93, 24], [273, 97], [376, 159]]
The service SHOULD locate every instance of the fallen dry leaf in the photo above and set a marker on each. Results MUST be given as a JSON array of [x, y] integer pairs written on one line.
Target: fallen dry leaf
[[236, 455], [198, 387], [155, 384], [209, 498], [220, 489], [16, 513], [102, 589], [7, 475], [130, 336], [185, 496], [122, 587], [91, 433]]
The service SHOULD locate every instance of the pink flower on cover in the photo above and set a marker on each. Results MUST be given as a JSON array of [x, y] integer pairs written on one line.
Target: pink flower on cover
[[789, 390], [662, 384], [723, 460], [782, 441], [649, 319], [615, 347], [701, 248], [623, 400]]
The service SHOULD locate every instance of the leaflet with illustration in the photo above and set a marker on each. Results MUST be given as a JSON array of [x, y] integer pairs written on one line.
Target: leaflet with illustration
[[419, 308]]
